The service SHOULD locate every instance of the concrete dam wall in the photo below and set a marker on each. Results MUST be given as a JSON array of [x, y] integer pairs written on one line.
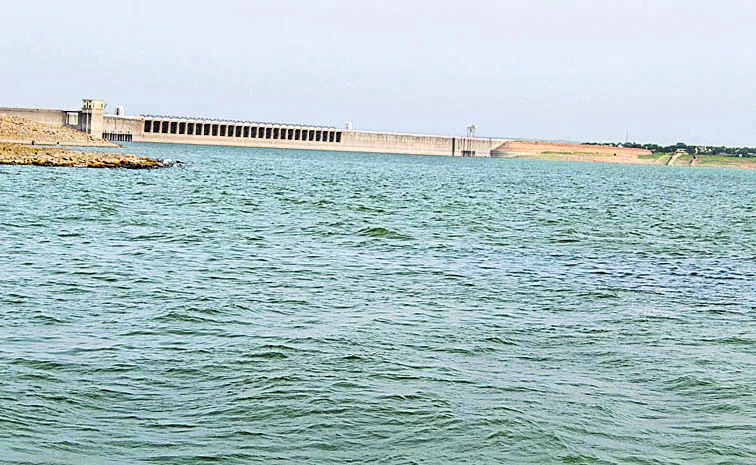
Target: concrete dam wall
[[175, 130], [55, 118], [203, 131]]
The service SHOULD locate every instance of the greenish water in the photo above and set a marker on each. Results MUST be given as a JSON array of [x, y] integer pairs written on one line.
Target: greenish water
[[260, 306]]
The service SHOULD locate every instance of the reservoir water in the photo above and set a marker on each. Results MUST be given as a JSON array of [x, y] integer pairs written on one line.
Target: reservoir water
[[262, 306]]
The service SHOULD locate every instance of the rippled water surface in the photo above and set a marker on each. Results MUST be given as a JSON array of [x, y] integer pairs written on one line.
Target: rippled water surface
[[259, 306]]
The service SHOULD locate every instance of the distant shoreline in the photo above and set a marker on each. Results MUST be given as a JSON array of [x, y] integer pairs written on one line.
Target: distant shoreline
[[658, 159], [26, 142], [590, 153]]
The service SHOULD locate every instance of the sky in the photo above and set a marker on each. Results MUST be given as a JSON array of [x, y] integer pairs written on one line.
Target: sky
[[661, 71]]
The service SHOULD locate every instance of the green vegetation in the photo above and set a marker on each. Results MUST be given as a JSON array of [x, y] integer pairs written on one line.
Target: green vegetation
[[704, 158], [653, 156], [721, 151], [716, 159]]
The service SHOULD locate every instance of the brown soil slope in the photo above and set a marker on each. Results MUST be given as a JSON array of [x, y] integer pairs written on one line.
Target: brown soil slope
[[23, 131], [525, 148], [572, 152]]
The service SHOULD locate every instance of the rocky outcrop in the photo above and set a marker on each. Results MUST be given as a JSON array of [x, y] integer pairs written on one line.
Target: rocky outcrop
[[17, 154]]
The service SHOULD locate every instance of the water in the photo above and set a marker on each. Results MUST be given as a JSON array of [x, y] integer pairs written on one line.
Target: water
[[259, 306]]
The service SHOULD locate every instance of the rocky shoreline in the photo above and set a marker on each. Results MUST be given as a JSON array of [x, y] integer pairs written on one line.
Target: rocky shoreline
[[25, 142], [17, 154]]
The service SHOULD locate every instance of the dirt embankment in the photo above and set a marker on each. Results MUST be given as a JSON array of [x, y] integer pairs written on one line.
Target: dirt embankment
[[576, 152], [14, 129], [17, 154]]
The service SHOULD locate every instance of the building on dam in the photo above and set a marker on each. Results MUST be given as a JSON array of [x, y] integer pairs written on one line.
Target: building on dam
[[119, 127]]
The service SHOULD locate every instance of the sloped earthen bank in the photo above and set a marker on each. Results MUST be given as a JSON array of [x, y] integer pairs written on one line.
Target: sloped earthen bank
[[17, 130]]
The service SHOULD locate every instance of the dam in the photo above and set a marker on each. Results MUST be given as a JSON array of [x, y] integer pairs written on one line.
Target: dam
[[119, 127]]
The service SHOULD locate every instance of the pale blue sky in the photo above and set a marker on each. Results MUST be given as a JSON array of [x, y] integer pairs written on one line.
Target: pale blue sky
[[664, 70]]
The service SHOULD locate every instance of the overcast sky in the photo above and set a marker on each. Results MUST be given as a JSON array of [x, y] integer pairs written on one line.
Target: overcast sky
[[664, 70]]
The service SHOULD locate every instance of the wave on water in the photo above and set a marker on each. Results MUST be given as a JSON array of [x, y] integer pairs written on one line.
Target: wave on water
[[264, 306], [382, 233]]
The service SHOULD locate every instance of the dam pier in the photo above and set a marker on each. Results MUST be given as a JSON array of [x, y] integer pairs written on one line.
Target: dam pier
[[119, 127]]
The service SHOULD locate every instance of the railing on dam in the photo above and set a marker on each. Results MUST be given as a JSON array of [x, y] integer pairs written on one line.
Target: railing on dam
[[240, 130], [232, 121]]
